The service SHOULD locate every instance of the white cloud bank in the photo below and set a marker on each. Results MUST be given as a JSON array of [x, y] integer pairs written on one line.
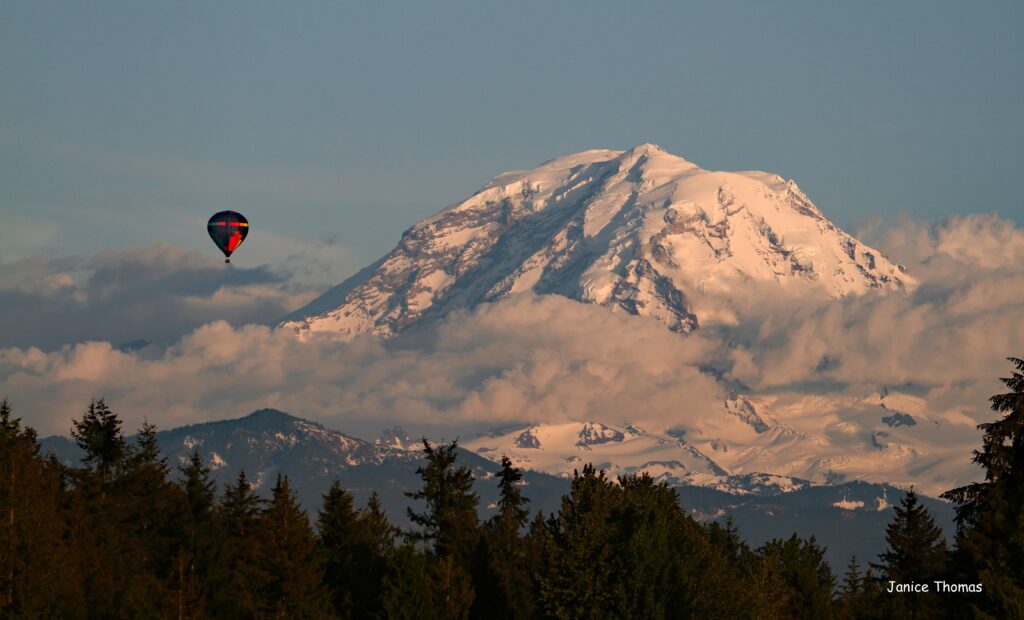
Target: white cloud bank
[[527, 359], [951, 336], [551, 359]]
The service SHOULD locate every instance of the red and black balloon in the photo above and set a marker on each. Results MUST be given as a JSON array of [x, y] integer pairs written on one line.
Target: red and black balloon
[[228, 230]]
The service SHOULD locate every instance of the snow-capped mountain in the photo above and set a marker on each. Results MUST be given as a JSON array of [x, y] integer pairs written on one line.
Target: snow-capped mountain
[[268, 443], [847, 518], [559, 449], [649, 233], [642, 231], [756, 444]]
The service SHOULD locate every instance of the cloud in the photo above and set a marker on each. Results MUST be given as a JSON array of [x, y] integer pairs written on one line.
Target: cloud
[[525, 359], [949, 338], [157, 293], [813, 363]]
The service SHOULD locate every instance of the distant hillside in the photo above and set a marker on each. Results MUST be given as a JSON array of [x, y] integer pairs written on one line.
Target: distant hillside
[[847, 518]]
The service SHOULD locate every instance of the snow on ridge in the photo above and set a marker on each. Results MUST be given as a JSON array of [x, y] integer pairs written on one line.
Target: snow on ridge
[[808, 440], [848, 505], [560, 449]]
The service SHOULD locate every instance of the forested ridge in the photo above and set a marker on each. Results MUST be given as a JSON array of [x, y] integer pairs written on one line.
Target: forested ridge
[[126, 536]]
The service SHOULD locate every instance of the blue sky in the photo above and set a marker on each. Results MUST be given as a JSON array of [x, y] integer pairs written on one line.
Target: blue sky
[[340, 124]]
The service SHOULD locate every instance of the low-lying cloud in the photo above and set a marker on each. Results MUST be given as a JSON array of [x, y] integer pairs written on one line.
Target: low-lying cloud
[[523, 359], [526, 359], [156, 293], [955, 329]]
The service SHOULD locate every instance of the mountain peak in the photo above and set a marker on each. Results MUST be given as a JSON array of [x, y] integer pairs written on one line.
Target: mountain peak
[[646, 148], [396, 438], [269, 414], [642, 230]]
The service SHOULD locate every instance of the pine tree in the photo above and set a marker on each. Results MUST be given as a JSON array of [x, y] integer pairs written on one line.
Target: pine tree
[[152, 500], [373, 551], [147, 507], [512, 512], [196, 551], [339, 529], [448, 525], [408, 589], [733, 579], [111, 528], [378, 531], [853, 579], [916, 553], [236, 578], [727, 537], [36, 578], [536, 550], [803, 568], [501, 575], [627, 549], [990, 514], [200, 494], [859, 597], [765, 592], [647, 524], [580, 580], [449, 522], [290, 558], [98, 433]]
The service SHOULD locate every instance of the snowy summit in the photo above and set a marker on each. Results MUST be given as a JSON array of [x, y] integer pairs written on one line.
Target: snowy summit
[[642, 230]]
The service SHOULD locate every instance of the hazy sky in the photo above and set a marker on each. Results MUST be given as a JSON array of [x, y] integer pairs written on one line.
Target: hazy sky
[[126, 123]]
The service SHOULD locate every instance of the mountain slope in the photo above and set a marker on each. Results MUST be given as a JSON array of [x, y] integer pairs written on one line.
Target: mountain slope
[[559, 449], [269, 442], [754, 444], [642, 231], [847, 518]]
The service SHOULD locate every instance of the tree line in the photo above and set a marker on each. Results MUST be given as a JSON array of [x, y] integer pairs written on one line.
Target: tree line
[[123, 536]]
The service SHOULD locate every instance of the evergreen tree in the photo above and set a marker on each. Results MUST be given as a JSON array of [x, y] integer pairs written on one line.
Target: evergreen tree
[[448, 525], [336, 526], [236, 578], [120, 513], [290, 558], [374, 550], [744, 582], [853, 579], [629, 550], [860, 597], [536, 550], [802, 566], [727, 537], [648, 523], [581, 579], [357, 546], [200, 494], [379, 532], [512, 512], [449, 522], [765, 593], [408, 589], [990, 514], [36, 578], [501, 574], [99, 435], [916, 552], [148, 511], [196, 550]]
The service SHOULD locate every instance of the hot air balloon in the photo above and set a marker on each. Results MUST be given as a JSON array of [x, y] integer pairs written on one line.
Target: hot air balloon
[[228, 230]]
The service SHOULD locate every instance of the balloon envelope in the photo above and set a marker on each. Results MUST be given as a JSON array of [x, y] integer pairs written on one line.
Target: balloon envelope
[[228, 230]]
